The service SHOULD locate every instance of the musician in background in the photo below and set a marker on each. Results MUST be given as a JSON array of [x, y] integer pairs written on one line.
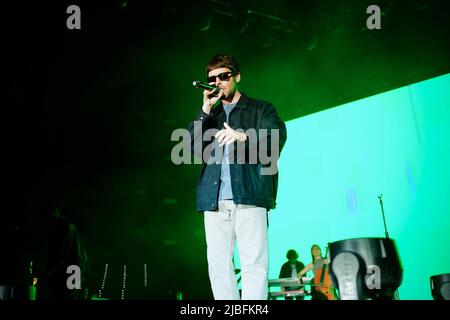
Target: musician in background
[[319, 265], [290, 269]]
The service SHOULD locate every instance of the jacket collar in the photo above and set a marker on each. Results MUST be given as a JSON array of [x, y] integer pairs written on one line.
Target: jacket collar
[[242, 102]]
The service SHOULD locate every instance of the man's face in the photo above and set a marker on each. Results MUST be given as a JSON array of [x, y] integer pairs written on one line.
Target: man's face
[[316, 252], [224, 79]]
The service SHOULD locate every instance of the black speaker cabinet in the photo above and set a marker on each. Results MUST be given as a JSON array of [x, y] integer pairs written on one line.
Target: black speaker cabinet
[[440, 286], [365, 268]]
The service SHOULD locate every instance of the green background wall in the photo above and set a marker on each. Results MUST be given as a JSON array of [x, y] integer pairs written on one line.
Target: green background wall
[[336, 163]]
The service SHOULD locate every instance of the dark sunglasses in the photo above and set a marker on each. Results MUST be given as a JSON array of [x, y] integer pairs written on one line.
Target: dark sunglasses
[[224, 76]]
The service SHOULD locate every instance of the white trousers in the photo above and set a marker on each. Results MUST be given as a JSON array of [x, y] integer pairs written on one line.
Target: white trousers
[[248, 226]]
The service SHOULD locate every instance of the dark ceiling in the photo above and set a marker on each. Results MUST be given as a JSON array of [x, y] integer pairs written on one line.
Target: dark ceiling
[[92, 110]]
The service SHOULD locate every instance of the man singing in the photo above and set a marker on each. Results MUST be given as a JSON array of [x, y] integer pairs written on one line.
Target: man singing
[[236, 191]]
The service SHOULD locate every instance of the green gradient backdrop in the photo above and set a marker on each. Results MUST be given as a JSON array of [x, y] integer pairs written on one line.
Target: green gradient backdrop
[[336, 162]]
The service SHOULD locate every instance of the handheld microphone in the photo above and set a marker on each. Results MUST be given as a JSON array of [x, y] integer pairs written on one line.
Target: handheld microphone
[[202, 85]]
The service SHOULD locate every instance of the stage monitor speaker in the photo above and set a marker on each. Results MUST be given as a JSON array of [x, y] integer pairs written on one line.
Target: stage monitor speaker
[[365, 268], [440, 286]]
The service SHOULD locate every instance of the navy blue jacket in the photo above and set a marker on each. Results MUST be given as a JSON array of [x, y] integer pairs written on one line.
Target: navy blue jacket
[[248, 185]]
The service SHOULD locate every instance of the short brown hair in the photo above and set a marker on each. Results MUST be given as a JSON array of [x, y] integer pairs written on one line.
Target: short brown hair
[[223, 61], [291, 254]]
